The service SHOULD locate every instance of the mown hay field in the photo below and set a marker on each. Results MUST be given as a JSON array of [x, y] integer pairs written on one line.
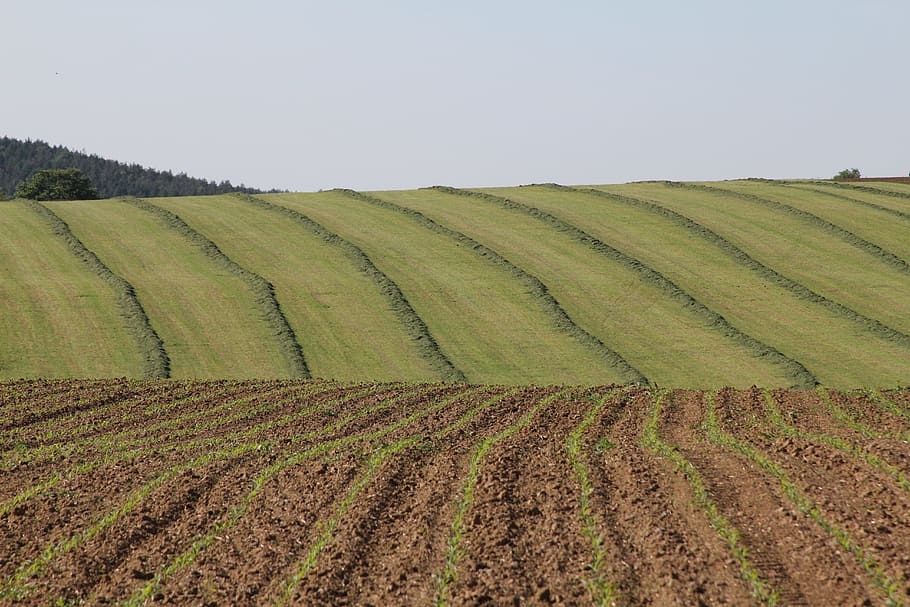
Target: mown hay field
[[695, 285], [323, 493]]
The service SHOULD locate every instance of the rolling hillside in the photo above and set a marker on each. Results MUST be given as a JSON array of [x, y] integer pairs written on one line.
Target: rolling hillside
[[697, 285]]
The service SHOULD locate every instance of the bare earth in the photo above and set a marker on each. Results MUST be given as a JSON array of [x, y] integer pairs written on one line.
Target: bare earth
[[317, 493]]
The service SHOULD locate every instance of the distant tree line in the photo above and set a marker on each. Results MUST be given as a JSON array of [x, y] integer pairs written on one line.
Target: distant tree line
[[19, 160]]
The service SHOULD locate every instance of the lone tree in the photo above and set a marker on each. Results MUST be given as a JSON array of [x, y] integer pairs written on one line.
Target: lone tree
[[57, 184], [848, 174]]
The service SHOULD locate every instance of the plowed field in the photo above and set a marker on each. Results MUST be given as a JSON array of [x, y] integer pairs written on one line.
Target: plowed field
[[317, 493]]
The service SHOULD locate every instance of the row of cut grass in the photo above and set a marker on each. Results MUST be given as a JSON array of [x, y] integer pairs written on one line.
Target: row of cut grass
[[485, 322], [533, 284], [315, 273], [262, 290], [873, 201], [807, 253], [638, 312], [819, 333], [808, 218], [870, 224], [208, 323], [64, 313]]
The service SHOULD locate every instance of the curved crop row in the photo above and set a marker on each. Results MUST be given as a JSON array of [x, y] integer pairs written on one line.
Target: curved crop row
[[805, 504], [777, 419], [842, 233], [802, 377], [863, 188], [650, 438], [156, 363], [870, 324], [534, 285], [455, 550], [604, 591], [399, 304], [372, 465], [202, 542], [263, 291]]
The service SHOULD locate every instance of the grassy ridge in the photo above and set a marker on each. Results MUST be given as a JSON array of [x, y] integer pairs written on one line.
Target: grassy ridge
[[695, 285]]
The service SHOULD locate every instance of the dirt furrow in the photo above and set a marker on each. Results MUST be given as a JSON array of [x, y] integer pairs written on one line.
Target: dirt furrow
[[393, 541], [523, 540], [185, 569], [819, 489], [664, 550], [788, 548]]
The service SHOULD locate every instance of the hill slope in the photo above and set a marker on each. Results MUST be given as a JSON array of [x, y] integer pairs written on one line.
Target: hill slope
[[688, 285]]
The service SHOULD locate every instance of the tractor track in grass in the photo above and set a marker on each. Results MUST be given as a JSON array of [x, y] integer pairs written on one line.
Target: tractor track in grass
[[376, 494]]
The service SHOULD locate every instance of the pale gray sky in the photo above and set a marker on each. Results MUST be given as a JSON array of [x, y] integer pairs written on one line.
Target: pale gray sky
[[399, 94]]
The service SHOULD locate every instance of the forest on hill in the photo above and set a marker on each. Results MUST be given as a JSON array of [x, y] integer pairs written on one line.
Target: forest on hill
[[20, 159]]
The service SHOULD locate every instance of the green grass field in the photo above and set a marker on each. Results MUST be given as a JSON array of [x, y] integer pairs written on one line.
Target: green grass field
[[805, 252], [830, 346], [205, 316], [58, 319], [343, 337], [684, 285]]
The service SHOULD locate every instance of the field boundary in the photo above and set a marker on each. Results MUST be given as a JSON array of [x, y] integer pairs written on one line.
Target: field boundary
[[155, 361], [796, 370], [262, 289], [535, 286], [803, 292], [400, 306], [842, 233]]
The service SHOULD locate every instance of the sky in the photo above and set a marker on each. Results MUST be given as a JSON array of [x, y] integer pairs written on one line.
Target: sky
[[305, 95]]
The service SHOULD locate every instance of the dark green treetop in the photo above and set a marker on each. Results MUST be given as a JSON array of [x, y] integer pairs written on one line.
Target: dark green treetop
[[57, 184]]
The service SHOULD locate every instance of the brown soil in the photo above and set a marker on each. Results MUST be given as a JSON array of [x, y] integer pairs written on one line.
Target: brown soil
[[212, 534]]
